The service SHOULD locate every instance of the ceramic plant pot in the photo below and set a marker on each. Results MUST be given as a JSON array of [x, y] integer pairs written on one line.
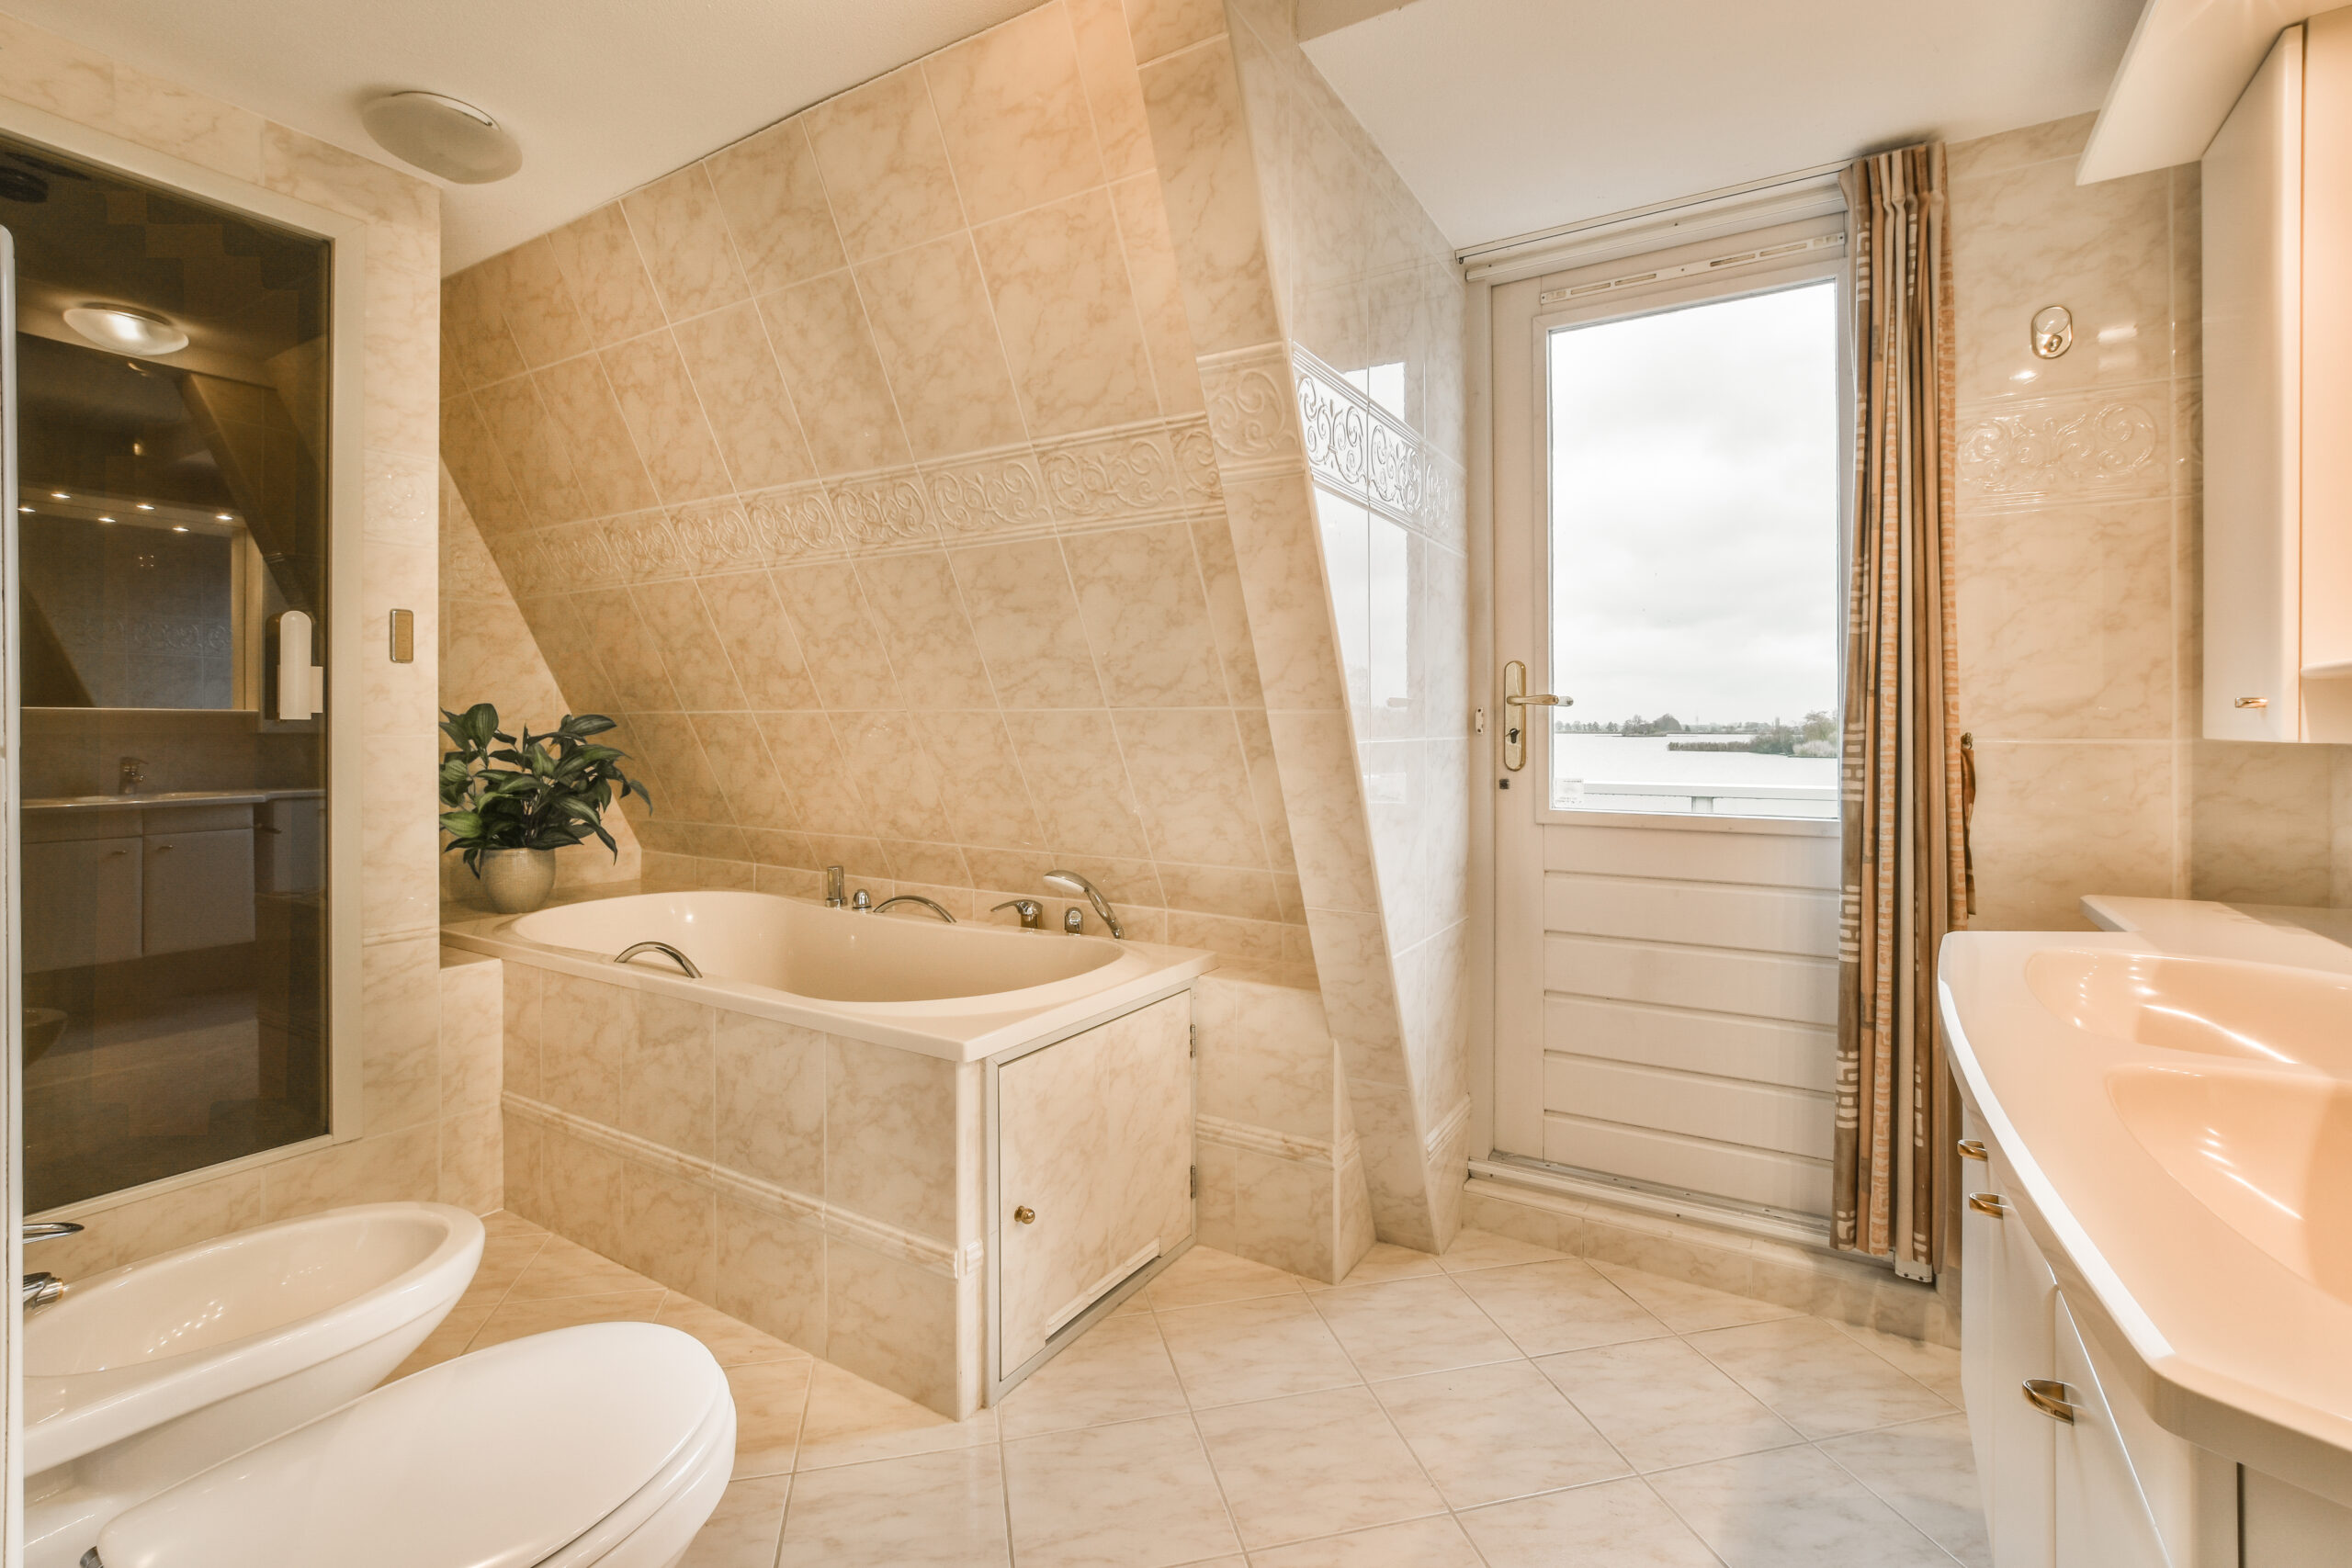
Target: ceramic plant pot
[[518, 881]]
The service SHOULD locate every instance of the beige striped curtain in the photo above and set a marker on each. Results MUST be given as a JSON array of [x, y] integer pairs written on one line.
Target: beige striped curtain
[[1904, 880]]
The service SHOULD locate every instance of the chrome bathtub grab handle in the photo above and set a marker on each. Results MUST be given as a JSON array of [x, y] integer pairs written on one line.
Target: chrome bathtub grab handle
[[663, 947]]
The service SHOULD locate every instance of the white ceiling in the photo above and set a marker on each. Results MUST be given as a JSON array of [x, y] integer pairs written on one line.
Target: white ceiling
[[604, 94], [1507, 116]]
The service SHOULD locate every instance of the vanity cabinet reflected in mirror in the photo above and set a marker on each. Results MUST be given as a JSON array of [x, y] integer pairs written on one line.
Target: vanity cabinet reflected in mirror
[[172, 421]]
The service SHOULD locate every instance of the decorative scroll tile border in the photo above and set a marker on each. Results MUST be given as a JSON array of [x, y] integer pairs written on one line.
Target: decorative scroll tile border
[[1158, 471], [1355, 447], [932, 1256], [2046, 453], [1252, 411]]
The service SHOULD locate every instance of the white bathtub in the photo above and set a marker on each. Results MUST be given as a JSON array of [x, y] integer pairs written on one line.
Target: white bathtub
[[904, 978]]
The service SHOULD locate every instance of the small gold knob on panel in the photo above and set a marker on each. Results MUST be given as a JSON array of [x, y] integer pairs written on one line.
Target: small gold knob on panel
[[1025, 1215]]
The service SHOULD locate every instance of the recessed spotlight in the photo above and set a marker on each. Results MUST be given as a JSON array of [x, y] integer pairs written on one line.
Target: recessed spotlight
[[59, 495], [143, 506], [118, 326], [223, 517], [177, 527], [442, 136], [24, 509], [106, 519]]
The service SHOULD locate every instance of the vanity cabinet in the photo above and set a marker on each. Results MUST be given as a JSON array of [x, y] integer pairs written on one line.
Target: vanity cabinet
[[1092, 1173], [2276, 193], [2097, 1482], [80, 902], [197, 890]]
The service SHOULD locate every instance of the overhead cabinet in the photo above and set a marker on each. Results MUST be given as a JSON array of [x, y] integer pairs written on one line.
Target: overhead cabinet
[[2277, 397]]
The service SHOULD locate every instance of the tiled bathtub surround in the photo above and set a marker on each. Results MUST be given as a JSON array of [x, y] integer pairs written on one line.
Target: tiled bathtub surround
[[406, 1147], [824, 1189], [861, 468], [2078, 539]]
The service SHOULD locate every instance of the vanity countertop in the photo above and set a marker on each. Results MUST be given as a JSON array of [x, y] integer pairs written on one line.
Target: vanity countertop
[[164, 799], [2227, 1345]]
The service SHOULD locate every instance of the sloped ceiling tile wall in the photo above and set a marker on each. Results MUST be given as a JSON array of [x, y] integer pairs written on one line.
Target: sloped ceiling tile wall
[[862, 470]]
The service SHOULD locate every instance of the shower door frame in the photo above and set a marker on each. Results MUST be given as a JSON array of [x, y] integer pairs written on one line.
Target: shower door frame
[[346, 736]]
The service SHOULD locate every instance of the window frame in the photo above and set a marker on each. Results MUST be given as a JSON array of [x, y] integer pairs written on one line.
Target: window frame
[[1723, 278]]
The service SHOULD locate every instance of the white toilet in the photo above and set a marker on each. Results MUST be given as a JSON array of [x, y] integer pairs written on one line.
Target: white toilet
[[606, 1444]]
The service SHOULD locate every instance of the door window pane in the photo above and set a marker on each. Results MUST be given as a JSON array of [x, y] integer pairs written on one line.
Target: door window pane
[[1695, 459]]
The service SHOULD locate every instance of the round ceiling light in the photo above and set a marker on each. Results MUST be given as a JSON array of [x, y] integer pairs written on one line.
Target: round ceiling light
[[443, 137], [129, 331]]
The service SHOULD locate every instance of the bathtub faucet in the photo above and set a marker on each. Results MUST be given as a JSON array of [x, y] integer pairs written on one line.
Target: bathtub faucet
[[833, 899], [915, 899], [1070, 882], [40, 1289]]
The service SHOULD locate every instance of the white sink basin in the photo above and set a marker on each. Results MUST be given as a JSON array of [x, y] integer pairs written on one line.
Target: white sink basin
[[2270, 1154], [2214, 1007], [141, 1377]]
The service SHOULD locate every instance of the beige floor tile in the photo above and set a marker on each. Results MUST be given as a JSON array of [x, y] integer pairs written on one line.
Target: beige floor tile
[[506, 1223], [936, 1510], [1313, 1464], [1927, 1472], [1411, 1326], [770, 1400], [1205, 1276], [1116, 1370], [1547, 1307], [566, 1268], [1253, 1349], [1139, 1495], [851, 1421], [1816, 1378], [743, 1531], [1620, 1524], [1485, 1249], [733, 1341], [513, 1319], [448, 1339], [1436, 1542], [1792, 1509], [1662, 1403], [1487, 1433], [1384, 1262], [1687, 1308], [503, 1257], [1936, 1367]]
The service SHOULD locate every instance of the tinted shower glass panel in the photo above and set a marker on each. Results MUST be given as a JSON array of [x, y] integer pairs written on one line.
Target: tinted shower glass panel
[[172, 421]]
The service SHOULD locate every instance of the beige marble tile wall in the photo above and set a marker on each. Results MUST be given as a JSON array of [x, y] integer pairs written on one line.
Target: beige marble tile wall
[[1301, 260], [861, 469], [820, 1189], [2078, 542], [407, 1148], [488, 654], [1281, 1177]]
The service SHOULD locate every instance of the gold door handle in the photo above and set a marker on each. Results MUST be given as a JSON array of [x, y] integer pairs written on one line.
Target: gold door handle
[[1991, 1203], [2049, 1396], [1024, 1215], [1972, 1149], [1517, 698]]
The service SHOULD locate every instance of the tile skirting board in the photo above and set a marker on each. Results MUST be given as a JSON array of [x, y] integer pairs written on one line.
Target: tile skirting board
[[1853, 1289]]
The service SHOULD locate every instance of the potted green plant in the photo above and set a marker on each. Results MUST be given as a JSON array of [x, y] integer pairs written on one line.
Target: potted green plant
[[509, 802]]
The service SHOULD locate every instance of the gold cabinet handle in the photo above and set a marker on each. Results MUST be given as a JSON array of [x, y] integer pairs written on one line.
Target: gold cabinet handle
[[1024, 1215], [1972, 1149], [1991, 1203], [2049, 1396]]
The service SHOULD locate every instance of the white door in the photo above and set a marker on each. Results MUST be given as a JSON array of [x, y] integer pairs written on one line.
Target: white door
[[1670, 446]]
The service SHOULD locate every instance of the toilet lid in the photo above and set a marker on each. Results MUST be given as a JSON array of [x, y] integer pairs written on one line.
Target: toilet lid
[[496, 1459]]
